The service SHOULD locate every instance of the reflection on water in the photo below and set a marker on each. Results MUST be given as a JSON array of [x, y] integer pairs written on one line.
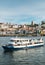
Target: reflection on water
[[35, 56]]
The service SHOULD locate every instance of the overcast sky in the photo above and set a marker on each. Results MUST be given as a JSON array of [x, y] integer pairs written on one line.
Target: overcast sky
[[22, 11]]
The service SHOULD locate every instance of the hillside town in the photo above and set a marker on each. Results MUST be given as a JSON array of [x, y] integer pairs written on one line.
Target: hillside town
[[33, 29]]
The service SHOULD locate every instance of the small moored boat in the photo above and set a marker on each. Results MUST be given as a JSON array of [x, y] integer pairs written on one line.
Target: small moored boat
[[23, 43]]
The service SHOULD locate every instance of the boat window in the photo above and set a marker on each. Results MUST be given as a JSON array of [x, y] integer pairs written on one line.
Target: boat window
[[29, 40], [18, 44], [36, 43], [38, 39], [20, 40], [17, 40], [24, 40], [30, 43]]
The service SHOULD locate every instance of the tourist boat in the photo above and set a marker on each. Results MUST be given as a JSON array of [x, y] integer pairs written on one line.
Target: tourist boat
[[23, 43]]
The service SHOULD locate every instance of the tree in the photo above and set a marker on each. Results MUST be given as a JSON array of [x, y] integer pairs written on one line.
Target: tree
[[42, 22]]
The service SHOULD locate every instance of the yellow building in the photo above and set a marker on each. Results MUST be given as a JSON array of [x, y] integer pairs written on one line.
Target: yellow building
[[43, 32]]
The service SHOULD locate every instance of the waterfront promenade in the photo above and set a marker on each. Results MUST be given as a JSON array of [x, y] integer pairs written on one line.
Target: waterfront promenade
[[6, 35], [32, 29]]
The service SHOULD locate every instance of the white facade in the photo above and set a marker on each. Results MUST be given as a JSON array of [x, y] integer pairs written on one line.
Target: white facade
[[15, 26]]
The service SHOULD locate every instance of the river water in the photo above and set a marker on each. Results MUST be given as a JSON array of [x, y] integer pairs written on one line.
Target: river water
[[35, 56]]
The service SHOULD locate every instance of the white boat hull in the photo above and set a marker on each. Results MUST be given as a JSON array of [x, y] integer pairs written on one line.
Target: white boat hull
[[11, 48]]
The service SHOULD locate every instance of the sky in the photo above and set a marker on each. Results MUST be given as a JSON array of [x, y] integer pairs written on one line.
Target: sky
[[22, 11]]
